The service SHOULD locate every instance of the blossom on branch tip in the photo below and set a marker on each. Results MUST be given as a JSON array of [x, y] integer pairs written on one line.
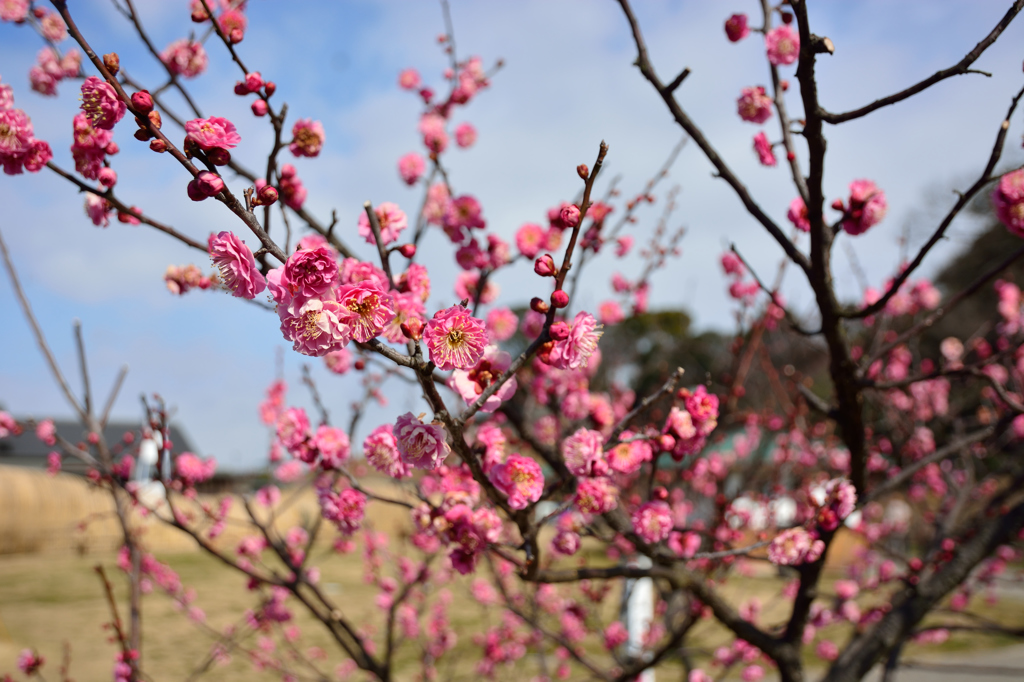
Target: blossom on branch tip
[[736, 28], [455, 339], [797, 215], [763, 147], [311, 272], [185, 58], [191, 469], [409, 79], [236, 264], [867, 206]]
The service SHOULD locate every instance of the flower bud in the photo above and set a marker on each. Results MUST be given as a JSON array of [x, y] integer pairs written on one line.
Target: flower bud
[[199, 13], [142, 101], [407, 250], [667, 443], [39, 12], [583, 171], [259, 107], [235, 36], [559, 298], [790, 156], [412, 329], [838, 205], [427, 95], [659, 493], [210, 184], [784, 85], [112, 62], [571, 215], [128, 218], [545, 266], [359, 364], [193, 191], [155, 119], [159, 146], [241, 89], [254, 81], [538, 305], [267, 195], [112, 149], [270, 87], [219, 156], [142, 135], [559, 331], [787, 17], [107, 177]]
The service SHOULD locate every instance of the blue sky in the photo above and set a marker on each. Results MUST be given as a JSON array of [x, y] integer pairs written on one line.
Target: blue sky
[[568, 83]]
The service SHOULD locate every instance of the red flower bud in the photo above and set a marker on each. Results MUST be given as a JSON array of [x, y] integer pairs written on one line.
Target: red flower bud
[[259, 107], [583, 171], [267, 196], [559, 298], [142, 135], [659, 493], [210, 184], [915, 564], [254, 81], [112, 62], [571, 215], [790, 156], [407, 250], [359, 364], [194, 193], [236, 35], [155, 118], [112, 149], [537, 305], [39, 12], [545, 266], [667, 443], [159, 146], [143, 102], [107, 177], [270, 87], [838, 205], [412, 328], [785, 85], [559, 331], [241, 89], [219, 156]]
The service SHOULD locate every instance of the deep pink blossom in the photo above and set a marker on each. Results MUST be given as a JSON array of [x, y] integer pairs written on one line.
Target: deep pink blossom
[[90, 147], [101, 104], [530, 238], [797, 215], [381, 450], [411, 168], [867, 206], [652, 521], [703, 408], [455, 339], [191, 469], [408, 308], [345, 509], [461, 213], [392, 221], [1008, 201], [435, 135], [366, 309], [520, 478], [575, 351], [29, 662], [311, 272], [783, 45], [185, 58], [754, 105], [212, 133], [293, 430], [236, 264], [315, 326], [47, 432], [763, 147], [423, 446], [307, 138], [736, 28], [416, 281], [409, 79]]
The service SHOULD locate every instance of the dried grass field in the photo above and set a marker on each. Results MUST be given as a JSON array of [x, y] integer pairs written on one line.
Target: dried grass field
[[50, 594]]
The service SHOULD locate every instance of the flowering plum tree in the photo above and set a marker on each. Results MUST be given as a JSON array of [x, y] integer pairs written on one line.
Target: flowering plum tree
[[528, 481]]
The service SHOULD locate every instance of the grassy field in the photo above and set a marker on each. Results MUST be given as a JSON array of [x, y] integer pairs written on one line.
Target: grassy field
[[52, 596]]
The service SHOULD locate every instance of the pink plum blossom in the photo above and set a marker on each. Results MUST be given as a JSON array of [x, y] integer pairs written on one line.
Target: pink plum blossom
[[867, 206], [381, 450], [595, 496], [455, 339], [501, 324], [1008, 201], [392, 221], [366, 309], [754, 105], [307, 138], [185, 58], [333, 446], [583, 453], [764, 150], [423, 446], [101, 104], [575, 351], [794, 547], [783, 45], [736, 28], [236, 264], [652, 521], [212, 133], [520, 478], [465, 135], [797, 215], [411, 168], [191, 469]]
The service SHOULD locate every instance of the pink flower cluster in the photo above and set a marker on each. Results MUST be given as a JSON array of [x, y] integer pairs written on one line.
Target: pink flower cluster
[[783, 45], [19, 149], [90, 147], [795, 546], [101, 104], [652, 521], [191, 469], [344, 509], [50, 70], [180, 279], [575, 349], [764, 151]]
